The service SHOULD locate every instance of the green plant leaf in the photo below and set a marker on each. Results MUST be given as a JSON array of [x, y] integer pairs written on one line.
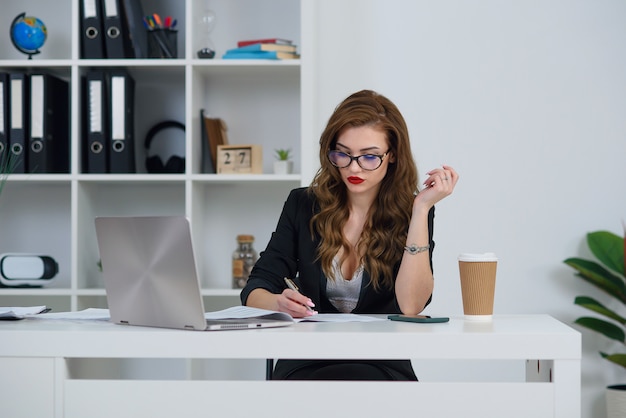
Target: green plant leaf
[[608, 248], [600, 277], [603, 327], [594, 305], [8, 162], [282, 154], [619, 359]]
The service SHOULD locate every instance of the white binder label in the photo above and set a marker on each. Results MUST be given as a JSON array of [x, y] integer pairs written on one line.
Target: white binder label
[[95, 106], [16, 104], [36, 106], [89, 7], [110, 8], [118, 108]]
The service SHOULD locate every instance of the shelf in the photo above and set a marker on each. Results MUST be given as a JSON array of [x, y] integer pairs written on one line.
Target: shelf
[[130, 179], [38, 178], [237, 68], [260, 101], [245, 178], [36, 63], [205, 292], [34, 291], [133, 63]]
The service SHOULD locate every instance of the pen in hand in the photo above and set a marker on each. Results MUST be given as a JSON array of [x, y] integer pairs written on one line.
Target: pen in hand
[[292, 286]]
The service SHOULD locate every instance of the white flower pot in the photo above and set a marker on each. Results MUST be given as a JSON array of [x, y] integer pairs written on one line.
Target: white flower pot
[[283, 167], [616, 401]]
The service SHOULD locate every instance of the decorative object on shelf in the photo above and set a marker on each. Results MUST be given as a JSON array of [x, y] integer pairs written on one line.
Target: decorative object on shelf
[[284, 165], [610, 277], [214, 133], [239, 159], [28, 34], [244, 258], [154, 163], [26, 270], [206, 24]]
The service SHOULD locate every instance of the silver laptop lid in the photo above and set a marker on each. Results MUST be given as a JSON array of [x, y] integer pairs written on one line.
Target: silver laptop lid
[[150, 272]]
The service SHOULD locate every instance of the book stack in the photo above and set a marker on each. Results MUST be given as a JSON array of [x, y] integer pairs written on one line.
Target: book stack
[[268, 49]]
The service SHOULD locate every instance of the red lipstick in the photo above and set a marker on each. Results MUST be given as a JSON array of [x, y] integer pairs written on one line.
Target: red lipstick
[[355, 180]]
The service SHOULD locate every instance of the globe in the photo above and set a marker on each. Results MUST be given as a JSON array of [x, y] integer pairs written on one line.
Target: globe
[[28, 34]]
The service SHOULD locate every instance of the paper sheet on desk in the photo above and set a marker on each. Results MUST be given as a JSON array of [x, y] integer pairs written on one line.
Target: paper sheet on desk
[[20, 312], [89, 313], [239, 312], [339, 317]]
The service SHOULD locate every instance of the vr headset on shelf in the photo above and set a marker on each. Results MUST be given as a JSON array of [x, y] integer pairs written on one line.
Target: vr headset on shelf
[[26, 270]]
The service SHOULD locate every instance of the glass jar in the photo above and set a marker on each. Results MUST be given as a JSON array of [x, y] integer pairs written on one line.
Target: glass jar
[[244, 258]]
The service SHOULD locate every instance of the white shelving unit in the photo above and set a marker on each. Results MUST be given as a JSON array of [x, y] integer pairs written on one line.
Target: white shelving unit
[[260, 101]]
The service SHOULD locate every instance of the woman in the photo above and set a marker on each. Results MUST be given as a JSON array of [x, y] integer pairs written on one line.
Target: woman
[[359, 239]]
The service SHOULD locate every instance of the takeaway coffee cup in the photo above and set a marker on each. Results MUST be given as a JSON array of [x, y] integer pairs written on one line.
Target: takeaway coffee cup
[[478, 284]]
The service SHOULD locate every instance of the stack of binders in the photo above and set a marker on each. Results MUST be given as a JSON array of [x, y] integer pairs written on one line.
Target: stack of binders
[[108, 122], [35, 123], [112, 29]]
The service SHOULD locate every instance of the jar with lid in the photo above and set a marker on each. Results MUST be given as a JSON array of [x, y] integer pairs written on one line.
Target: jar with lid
[[244, 258]]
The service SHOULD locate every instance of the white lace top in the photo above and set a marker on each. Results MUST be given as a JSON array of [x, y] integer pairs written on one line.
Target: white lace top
[[342, 293]]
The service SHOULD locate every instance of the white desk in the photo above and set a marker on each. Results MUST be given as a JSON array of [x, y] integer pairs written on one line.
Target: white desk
[[35, 377]]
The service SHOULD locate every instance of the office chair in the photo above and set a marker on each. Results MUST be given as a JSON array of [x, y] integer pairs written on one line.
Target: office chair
[[269, 369]]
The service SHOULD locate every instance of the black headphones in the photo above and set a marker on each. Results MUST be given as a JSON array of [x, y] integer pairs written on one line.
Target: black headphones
[[154, 164]]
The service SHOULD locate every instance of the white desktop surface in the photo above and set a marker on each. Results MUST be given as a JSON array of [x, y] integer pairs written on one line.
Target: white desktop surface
[[538, 338]]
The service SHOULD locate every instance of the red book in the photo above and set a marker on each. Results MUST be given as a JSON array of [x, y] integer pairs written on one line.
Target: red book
[[278, 41]]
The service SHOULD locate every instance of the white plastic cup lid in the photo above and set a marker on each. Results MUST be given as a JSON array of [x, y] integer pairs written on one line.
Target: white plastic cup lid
[[478, 257]]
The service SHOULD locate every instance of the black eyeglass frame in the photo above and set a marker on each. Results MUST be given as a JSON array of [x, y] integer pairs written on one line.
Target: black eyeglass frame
[[356, 158]]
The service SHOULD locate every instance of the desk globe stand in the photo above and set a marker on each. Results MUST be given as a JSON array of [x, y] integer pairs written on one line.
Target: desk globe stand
[[37, 25]]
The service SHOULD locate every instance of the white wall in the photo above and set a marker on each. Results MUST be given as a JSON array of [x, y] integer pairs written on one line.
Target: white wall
[[527, 100]]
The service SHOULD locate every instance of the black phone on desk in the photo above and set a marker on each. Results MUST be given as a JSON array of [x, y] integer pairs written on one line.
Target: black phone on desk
[[422, 319]]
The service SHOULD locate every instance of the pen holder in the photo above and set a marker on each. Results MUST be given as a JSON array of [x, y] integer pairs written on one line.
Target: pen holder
[[162, 43]]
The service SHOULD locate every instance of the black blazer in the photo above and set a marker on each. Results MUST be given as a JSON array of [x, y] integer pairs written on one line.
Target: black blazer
[[291, 253]]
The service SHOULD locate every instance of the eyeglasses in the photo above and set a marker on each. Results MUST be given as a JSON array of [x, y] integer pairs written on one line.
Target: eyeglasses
[[368, 162]]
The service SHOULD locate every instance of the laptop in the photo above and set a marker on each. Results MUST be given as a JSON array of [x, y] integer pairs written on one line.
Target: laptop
[[150, 275]]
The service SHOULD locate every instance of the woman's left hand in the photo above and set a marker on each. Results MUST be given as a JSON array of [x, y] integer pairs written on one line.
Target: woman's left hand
[[439, 184]]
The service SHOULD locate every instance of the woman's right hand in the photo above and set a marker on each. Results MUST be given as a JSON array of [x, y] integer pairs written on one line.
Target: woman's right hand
[[295, 304]]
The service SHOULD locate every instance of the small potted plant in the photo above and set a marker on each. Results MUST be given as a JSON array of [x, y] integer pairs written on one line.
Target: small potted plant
[[283, 165], [609, 276]]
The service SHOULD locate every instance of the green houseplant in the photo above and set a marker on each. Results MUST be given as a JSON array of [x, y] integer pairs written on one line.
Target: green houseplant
[[607, 274], [283, 165], [283, 154]]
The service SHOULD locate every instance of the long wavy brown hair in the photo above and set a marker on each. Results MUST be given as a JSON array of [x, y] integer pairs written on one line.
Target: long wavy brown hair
[[384, 233]]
